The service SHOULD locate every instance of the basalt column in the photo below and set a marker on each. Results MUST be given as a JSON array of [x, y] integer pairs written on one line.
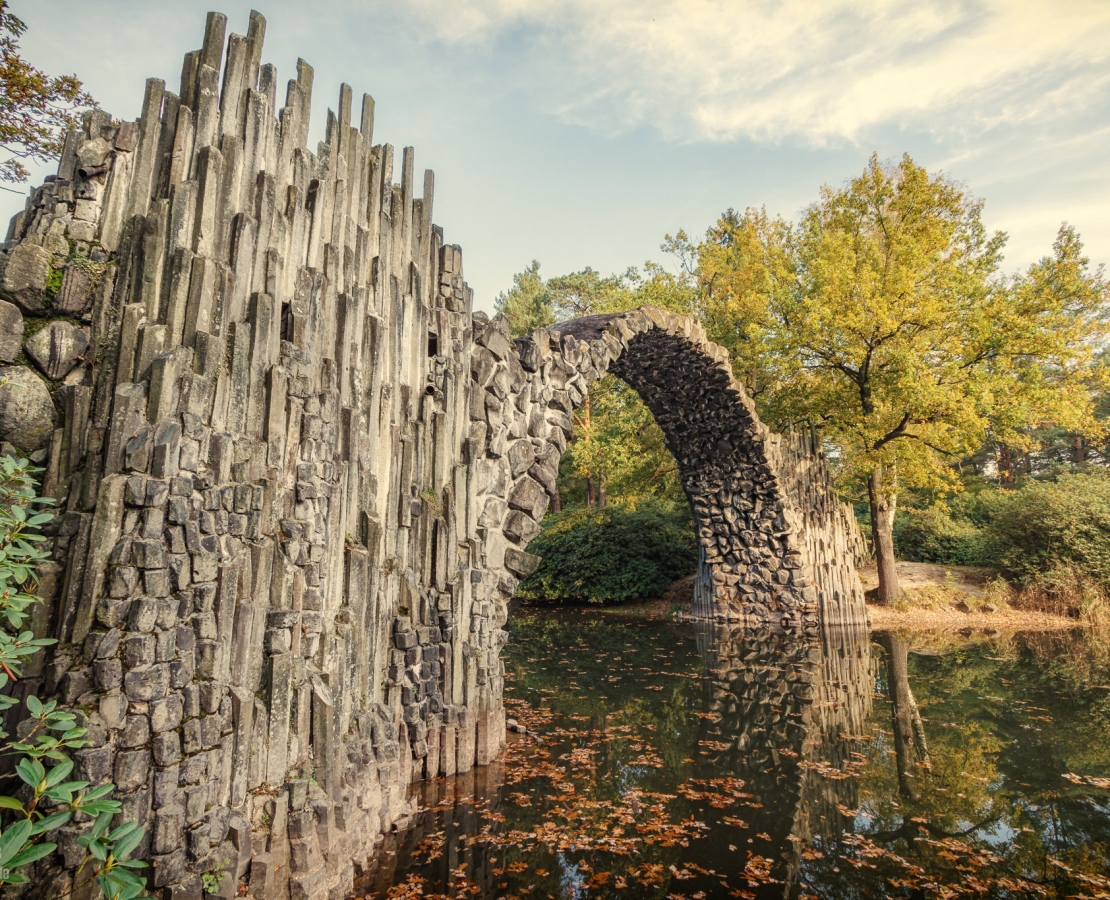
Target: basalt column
[[269, 592]]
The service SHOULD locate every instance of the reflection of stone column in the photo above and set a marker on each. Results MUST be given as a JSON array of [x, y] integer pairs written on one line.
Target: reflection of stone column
[[910, 747], [842, 703], [791, 714], [702, 607], [439, 839]]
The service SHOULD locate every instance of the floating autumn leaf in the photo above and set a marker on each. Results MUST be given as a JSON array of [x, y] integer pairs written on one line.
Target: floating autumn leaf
[[1090, 780]]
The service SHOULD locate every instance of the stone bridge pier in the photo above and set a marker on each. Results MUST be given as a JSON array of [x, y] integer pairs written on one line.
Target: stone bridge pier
[[296, 477]]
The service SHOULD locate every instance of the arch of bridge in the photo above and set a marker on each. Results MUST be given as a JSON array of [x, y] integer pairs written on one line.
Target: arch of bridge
[[776, 545]]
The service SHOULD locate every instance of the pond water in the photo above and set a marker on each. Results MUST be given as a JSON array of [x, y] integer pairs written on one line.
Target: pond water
[[679, 760]]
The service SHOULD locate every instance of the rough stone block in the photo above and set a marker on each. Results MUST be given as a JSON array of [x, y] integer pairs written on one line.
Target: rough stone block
[[23, 278], [169, 867], [131, 770], [11, 331], [520, 527], [521, 563], [166, 748], [165, 715], [57, 348], [27, 414], [529, 496], [147, 682]]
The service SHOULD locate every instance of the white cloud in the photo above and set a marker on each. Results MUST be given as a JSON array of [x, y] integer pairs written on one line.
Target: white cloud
[[822, 72]]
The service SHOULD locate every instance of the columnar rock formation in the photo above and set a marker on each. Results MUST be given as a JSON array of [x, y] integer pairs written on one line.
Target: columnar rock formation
[[297, 477]]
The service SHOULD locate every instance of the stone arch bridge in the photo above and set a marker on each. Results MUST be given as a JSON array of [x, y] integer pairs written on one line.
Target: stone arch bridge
[[777, 546], [297, 476]]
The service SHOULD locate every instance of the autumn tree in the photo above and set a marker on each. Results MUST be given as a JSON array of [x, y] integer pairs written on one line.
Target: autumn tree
[[36, 109], [1058, 300], [881, 318]]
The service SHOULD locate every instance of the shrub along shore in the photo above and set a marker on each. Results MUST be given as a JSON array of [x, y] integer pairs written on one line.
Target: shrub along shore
[[1048, 540]]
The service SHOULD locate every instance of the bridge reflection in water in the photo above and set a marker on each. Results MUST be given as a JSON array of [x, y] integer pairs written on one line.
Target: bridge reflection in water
[[781, 715], [793, 714]]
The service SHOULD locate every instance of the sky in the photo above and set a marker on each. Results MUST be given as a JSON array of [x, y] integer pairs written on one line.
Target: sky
[[581, 132]]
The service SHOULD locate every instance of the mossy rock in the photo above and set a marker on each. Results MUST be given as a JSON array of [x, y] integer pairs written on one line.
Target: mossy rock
[[26, 273]]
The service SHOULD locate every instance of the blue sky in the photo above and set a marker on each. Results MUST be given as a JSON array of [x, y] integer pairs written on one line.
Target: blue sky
[[580, 132]]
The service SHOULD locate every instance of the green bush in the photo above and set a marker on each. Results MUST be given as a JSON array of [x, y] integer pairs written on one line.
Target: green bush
[[1046, 525], [47, 799], [933, 535], [611, 554], [1045, 532], [979, 506]]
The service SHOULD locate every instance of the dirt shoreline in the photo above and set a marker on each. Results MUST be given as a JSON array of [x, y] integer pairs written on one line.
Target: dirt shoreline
[[952, 598], [884, 618]]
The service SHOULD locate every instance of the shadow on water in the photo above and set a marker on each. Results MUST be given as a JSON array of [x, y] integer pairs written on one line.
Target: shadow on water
[[697, 760]]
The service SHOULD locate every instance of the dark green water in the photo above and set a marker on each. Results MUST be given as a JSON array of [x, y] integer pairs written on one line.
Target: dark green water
[[675, 760]]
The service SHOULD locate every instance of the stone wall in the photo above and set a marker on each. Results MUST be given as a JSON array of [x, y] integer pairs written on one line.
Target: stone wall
[[269, 607], [296, 477]]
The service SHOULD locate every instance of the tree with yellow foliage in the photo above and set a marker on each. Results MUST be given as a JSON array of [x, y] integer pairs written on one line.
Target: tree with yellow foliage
[[36, 109], [882, 319]]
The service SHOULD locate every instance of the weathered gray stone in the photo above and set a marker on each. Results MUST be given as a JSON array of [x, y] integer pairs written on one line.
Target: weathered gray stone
[[520, 527], [27, 413], [166, 748], [11, 331], [57, 348], [169, 830], [529, 496], [24, 277], [132, 768], [74, 295], [521, 455], [520, 563], [147, 683]]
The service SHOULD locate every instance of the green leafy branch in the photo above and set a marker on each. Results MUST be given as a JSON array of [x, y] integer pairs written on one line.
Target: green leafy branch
[[47, 799]]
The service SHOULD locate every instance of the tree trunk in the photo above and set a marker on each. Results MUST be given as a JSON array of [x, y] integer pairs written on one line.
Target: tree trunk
[[556, 501], [910, 748], [589, 491], [882, 535], [1005, 466], [1078, 451], [601, 487]]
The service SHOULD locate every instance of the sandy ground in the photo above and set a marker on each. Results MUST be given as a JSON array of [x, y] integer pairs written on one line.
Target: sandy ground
[[1006, 619], [959, 607], [968, 579]]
